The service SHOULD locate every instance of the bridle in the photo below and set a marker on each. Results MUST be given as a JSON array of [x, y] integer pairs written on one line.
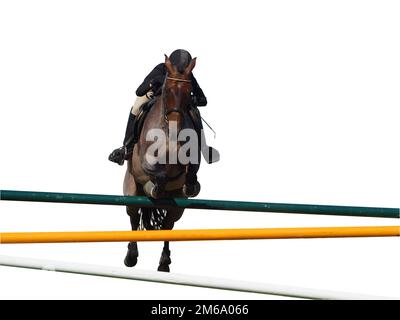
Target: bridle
[[175, 109], [177, 79]]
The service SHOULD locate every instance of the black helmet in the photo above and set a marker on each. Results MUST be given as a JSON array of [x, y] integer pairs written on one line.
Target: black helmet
[[180, 59]]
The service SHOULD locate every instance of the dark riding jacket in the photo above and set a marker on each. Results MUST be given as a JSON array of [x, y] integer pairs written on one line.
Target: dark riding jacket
[[156, 79]]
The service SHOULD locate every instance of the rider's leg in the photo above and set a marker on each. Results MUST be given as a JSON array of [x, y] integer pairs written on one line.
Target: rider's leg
[[119, 155], [210, 154], [130, 139]]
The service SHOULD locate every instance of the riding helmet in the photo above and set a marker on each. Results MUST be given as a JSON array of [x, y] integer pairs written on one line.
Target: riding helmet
[[180, 58]]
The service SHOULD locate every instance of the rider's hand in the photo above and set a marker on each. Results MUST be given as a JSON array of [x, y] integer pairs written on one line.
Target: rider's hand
[[150, 94]]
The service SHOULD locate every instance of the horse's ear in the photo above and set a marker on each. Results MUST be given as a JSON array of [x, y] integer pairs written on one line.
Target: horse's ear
[[170, 67], [190, 67]]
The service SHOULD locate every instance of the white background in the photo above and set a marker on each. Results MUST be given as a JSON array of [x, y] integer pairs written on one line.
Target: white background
[[304, 96]]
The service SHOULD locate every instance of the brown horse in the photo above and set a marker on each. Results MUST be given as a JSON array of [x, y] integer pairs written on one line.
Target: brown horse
[[159, 167]]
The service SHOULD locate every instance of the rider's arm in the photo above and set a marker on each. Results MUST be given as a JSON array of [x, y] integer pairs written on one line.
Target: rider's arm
[[153, 81], [201, 99]]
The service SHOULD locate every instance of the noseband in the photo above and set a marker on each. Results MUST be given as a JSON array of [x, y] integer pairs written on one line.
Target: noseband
[[177, 79]]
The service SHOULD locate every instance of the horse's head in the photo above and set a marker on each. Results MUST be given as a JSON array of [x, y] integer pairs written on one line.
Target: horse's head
[[177, 89]]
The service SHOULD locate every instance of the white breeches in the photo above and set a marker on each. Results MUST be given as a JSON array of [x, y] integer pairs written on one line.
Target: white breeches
[[139, 102]]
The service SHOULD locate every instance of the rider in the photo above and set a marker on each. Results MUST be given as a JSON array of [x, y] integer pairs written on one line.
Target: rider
[[150, 88]]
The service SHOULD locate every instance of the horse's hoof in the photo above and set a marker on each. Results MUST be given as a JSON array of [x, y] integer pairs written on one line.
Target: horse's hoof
[[163, 268], [191, 190], [132, 255], [155, 193], [151, 190], [130, 260]]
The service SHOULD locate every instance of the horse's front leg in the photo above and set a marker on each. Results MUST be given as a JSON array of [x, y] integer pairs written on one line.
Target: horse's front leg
[[192, 186]]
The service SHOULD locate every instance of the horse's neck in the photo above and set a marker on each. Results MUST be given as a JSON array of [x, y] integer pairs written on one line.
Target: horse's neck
[[156, 116]]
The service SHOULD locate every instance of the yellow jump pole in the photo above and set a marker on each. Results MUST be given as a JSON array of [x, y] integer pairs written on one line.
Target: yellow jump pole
[[202, 234]]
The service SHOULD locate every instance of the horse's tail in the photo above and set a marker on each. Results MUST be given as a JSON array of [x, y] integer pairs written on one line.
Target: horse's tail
[[152, 218]]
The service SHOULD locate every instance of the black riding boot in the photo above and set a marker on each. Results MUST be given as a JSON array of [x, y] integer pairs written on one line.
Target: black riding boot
[[120, 155], [210, 154]]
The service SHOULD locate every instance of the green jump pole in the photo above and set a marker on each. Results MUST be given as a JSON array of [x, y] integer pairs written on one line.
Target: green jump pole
[[141, 201]]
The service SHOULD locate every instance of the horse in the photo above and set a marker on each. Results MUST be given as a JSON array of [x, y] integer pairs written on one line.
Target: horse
[[175, 176]]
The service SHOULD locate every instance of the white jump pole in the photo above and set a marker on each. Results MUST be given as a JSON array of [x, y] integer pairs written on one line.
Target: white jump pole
[[180, 279]]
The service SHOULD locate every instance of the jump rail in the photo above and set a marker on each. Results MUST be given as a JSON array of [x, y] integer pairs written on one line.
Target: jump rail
[[202, 234], [199, 204], [181, 279]]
